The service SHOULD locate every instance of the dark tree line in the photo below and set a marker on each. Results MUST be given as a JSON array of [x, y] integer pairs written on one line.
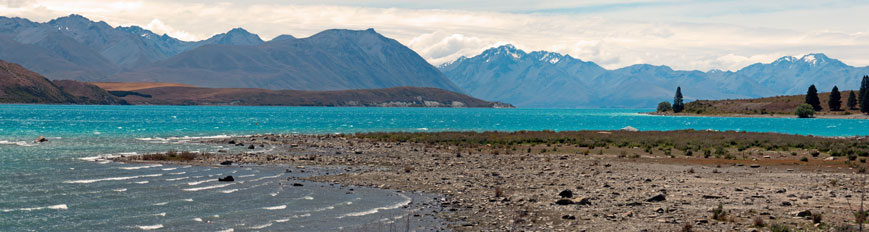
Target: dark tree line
[[861, 98]]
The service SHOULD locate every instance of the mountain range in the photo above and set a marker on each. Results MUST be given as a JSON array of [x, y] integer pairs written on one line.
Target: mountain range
[[547, 79], [74, 47]]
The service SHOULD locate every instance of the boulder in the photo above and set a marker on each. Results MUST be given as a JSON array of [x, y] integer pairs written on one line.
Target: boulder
[[226, 162], [630, 128], [297, 185], [566, 194], [227, 178], [40, 139], [564, 202], [657, 198], [581, 201], [251, 147]]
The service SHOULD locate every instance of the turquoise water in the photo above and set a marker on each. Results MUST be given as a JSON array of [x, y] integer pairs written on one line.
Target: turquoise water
[[59, 185]]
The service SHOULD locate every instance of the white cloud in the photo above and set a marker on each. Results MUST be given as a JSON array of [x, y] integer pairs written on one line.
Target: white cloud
[[160, 28], [683, 34]]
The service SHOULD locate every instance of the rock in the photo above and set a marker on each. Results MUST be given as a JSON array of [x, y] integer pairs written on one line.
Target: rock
[[581, 201], [755, 166], [786, 203], [564, 202], [804, 213], [568, 217], [657, 198], [251, 147], [630, 128], [358, 152], [297, 185], [40, 139], [227, 178], [566, 194], [226, 162], [628, 214], [231, 141], [294, 145], [830, 158], [711, 197]]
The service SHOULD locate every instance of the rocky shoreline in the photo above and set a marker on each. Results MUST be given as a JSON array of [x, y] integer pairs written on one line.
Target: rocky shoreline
[[564, 188]]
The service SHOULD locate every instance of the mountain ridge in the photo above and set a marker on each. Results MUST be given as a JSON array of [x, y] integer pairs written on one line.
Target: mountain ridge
[[74, 47], [571, 82]]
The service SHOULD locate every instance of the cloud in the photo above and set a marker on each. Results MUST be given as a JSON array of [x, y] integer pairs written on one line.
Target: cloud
[[683, 34], [159, 27]]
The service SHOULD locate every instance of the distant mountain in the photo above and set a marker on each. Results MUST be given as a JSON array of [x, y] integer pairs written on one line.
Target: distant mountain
[[19, 85], [74, 47], [545, 79], [330, 60]]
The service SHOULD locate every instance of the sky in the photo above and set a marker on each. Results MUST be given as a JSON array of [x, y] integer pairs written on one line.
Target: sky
[[685, 35]]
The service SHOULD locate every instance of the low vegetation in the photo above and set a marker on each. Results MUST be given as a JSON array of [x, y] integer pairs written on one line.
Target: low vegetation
[[727, 145], [173, 156]]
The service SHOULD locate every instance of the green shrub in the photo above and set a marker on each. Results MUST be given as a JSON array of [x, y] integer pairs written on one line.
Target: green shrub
[[664, 107], [805, 111]]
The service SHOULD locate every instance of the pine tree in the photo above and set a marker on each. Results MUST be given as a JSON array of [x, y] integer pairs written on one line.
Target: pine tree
[[863, 99], [812, 98], [835, 102], [852, 101], [678, 106]]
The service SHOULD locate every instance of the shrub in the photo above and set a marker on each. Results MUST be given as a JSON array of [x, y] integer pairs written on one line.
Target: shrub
[[805, 111], [758, 222], [817, 217], [719, 213], [664, 107], [779, 228]]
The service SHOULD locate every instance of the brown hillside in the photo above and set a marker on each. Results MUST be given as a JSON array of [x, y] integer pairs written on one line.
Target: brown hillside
[[767, 105], [133, 86], [19, 85], [390, 97]]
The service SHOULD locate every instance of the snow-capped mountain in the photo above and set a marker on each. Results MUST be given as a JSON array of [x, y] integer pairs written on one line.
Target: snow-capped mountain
[[546, 79]]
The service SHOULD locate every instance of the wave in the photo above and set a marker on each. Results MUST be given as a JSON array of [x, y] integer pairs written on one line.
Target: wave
[[276, 207], [120, 190], [406, 201], [227, 230], [55, 207], [281, 220], [230, 191], [180, 178], [177, 173], [161, 203], [109, 179], [251, 175], [141, 167], [206, 187], [197, 219], [169, 169], [261, 226], [200, 182], [19, 143], [152, 227], [163, 214], [141, 182]]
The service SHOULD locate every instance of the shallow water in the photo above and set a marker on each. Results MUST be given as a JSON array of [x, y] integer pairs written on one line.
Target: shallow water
[[61, 185]]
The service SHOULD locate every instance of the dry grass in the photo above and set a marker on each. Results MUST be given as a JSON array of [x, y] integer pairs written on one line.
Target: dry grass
[[173, 156]]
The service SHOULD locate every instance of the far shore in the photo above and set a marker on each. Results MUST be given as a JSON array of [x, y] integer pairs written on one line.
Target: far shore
[[584, 180], [824, 116]]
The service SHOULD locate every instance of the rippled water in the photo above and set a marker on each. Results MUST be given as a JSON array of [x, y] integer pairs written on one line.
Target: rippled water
[[60, 186]]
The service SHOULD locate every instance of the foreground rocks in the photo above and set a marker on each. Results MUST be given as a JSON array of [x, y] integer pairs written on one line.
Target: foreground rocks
[[569, 190]]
